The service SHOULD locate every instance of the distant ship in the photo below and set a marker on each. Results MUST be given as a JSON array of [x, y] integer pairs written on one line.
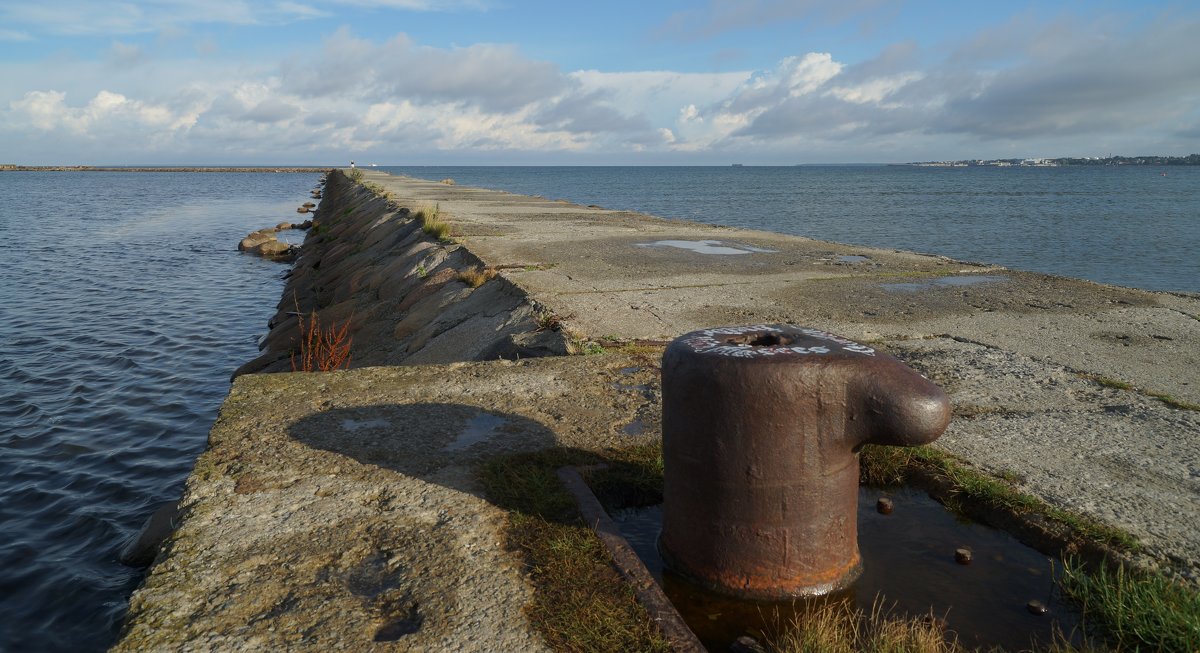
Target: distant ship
[[737, 165]]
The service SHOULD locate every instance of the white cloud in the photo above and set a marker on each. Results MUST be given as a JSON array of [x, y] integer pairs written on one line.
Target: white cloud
[[48, 110], [1058, 84]]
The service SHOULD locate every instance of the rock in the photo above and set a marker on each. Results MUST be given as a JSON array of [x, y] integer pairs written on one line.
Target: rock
[[284, 226], [307, 224], [141, 549], [276, 250], [254, 240]]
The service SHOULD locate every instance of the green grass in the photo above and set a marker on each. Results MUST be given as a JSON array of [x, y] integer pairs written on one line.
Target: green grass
[[432, 224], [1123, 385], [1138, 611], [884, 466], [580, 601], [1172, 401], [355, 175]]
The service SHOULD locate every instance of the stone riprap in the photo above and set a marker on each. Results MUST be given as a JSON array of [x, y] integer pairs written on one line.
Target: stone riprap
[[340, 510], [367, 263]]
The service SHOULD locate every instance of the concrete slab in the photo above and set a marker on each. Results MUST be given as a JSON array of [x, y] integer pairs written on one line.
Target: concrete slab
[[341, 511]]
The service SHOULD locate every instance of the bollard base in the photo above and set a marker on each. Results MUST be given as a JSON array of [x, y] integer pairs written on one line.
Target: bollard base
[[776, 589]]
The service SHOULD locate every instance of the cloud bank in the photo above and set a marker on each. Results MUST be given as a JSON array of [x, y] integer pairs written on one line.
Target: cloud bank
[[1020, 88]]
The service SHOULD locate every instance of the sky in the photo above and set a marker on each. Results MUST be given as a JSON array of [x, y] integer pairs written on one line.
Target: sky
[[653, 82]]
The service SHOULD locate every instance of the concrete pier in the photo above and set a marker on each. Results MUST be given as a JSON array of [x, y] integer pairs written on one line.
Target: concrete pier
[[339, 510]]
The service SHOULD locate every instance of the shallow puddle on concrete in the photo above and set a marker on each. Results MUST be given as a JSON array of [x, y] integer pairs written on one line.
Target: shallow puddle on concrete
[[477, 429], [708, 247], [908, 561], [635, 428], [944, 282]]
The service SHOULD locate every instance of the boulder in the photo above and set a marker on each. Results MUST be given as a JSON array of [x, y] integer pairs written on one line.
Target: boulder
[[277, 251], [254, 240], [284, 226]]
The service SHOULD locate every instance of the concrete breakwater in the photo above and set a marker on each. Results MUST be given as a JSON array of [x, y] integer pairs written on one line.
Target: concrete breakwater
[[343, 510], [19, 168]]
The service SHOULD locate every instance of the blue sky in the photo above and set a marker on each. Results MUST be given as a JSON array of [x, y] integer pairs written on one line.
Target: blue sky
[[410, 82]]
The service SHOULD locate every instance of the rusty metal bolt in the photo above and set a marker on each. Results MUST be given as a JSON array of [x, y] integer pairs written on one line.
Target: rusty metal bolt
[[884, 506], [962, 556], [761, 429]]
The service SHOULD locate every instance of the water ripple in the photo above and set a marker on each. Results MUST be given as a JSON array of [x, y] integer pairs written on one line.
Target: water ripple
[[126, 308]]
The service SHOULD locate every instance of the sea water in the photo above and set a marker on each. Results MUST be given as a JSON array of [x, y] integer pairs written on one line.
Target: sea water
[[125, 307]]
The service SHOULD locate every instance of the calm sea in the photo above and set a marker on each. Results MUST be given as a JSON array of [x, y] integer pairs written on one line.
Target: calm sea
[[126, 306]]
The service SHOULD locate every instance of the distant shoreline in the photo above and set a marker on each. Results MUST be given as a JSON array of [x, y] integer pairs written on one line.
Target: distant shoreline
[[1190, 160], [17, 168]]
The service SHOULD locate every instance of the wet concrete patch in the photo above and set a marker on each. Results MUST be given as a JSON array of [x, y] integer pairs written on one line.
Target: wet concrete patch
[[716, 247], [477, 429], [909, 566]]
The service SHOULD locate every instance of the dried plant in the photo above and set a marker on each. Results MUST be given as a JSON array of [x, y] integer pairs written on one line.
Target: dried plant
[[476, 276], [322, 350]]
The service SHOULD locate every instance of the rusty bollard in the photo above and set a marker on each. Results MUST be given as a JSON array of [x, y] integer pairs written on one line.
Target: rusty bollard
[[761, 431]]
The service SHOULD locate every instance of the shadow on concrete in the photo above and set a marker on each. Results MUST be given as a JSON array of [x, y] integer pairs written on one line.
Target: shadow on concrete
[[440, 443]]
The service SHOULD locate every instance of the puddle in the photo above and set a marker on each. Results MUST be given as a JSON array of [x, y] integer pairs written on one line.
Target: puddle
[[627, 387], [944, 282], [477, 429], [636, 427], [630, 370], [853, 258], [708, 247], [354, 424], [908, 560]]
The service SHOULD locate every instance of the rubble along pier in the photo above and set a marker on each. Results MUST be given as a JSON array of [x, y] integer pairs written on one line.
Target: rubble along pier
[[342, 509]]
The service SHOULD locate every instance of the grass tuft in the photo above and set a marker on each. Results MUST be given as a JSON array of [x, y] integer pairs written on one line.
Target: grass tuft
[[1172, 401], [834, 628], [355, 175], [1137, 610], [1123, 385], [448, 181], [476, 276], [432, 224]]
